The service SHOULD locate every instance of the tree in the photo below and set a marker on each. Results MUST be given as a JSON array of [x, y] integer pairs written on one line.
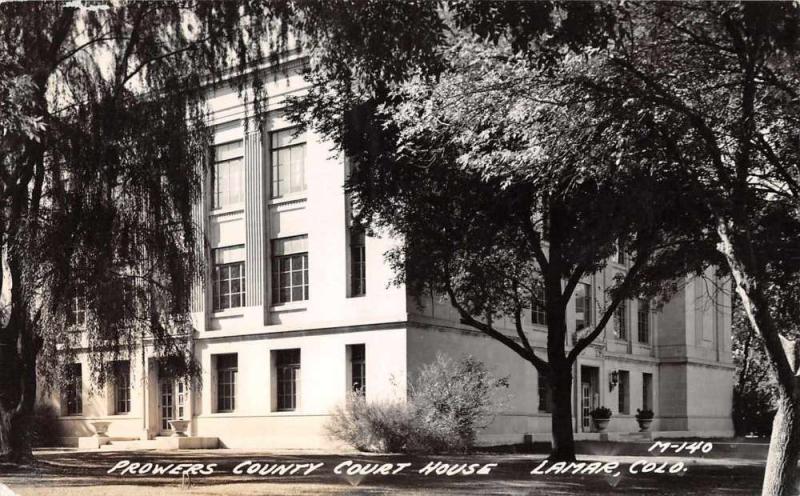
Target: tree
[[493, 184], [716, 83], [103, 135], [715, 86], [753, 391]]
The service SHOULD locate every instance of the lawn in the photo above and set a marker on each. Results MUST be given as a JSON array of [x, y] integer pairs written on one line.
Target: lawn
[[68, 472]]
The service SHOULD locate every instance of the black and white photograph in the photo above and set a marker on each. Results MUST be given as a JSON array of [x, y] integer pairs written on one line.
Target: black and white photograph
[[412, 247]]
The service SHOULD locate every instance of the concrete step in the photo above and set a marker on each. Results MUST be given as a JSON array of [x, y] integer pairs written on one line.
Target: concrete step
[[130, 445]]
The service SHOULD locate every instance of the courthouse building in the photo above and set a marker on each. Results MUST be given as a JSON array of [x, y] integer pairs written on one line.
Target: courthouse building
[[299, 310]]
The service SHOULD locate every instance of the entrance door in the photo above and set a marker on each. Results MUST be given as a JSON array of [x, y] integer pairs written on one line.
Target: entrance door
[[166, 389], [586, 406], [172, 400]]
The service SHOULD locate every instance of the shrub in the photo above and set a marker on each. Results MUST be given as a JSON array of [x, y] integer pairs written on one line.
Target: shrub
[[447, 403], [380, 426], [454, 399], [646, 414], [601, 413]]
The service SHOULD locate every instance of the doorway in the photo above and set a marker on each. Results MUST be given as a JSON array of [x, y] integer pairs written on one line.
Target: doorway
[[590, 395], [171, 403]]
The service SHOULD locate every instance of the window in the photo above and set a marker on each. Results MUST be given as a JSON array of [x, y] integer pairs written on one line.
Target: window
[[538, 311], [624, 392], [643, 321], [227, 185], [227, 370], [358, 263], [647, 391], [545, 394], [620, 313], [583, 306], [77, 311], [288, 162], [358, 368], [182, 397], [289, 269], [287, 369], [122, 387], [73, 393], [229, 290]]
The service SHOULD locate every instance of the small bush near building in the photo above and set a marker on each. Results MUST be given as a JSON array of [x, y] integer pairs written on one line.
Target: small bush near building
[[380, 426], [601, 413], [448, 402]]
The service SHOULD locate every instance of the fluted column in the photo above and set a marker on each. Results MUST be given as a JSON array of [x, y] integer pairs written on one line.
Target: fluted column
[[200, 218], [254, 218]]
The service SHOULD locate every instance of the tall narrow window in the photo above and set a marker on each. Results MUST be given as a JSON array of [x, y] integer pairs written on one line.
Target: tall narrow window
[[624, 392], [643, 321], [289, 269], [227, 370], [229, 288], [583, 306], [545, 394], [358, 263], [227, 185], [73, 389], [620, 255], [358, 368], [287, 369], [647, 391], [288, 154], [77, 311], [538, 310], [621, 314], [122, 387]]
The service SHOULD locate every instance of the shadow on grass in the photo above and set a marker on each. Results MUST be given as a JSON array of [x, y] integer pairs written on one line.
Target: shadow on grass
[[511, 476]]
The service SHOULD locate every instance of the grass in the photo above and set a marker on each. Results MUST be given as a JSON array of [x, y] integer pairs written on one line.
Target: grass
[[68, 473]]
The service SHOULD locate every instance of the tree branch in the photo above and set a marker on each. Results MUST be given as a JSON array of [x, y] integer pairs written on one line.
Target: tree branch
[[469, 320], [621, 294]]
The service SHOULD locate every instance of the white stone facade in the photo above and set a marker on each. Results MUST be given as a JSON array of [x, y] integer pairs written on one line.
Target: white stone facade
[[686, 359]]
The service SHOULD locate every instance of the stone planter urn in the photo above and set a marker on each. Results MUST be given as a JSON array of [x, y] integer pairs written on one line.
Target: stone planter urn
[[100, 428], [644, 424], [645, 418], [601, 416], [601, 424], [179, 427]]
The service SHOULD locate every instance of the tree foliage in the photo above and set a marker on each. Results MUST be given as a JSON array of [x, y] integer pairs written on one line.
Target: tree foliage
[[103, 144], [495, 171]]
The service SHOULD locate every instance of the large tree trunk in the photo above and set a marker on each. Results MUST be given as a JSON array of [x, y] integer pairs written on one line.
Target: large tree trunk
[[15, 445], [779, 476], [17, 397], [561, 419]]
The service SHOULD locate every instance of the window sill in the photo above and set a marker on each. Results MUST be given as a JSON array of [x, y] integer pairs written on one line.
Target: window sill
[[228, 313], [228, 209], [293, 306], [288, 198], [285, 413]]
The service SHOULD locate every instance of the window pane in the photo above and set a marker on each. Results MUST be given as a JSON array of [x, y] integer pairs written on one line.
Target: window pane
[[229, 286], [290, 282], [227, 173]]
